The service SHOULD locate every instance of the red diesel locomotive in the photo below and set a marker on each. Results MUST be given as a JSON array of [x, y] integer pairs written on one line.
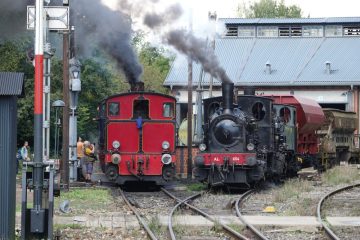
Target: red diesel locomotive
[[137, 133]]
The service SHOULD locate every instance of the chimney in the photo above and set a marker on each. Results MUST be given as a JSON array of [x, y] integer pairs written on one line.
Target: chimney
[[228, 97], [328, 67], [268, 67]]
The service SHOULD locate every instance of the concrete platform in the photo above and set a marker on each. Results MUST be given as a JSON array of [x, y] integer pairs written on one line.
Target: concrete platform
[[120, 220]]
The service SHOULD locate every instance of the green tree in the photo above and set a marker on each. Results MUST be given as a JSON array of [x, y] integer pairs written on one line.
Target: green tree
[[13, 59], [99, 75], [269, 9], [156, 66]]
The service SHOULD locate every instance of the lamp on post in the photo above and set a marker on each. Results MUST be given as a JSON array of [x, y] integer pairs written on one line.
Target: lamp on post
[[75, 88], [57, 105]]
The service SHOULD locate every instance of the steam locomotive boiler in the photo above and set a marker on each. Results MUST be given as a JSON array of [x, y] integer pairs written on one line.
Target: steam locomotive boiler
[[246, 142], [137, 137]]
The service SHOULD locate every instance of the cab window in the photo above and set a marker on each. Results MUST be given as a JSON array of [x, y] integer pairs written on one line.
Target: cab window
[[285, 114], [258, 111], [141, 109], [168, 110], [114, 109]]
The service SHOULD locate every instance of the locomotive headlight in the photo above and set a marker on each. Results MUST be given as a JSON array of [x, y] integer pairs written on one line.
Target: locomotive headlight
[[116, 144], [166, 159], [250, 147], [115, 158], [202, 147], [165, 145]]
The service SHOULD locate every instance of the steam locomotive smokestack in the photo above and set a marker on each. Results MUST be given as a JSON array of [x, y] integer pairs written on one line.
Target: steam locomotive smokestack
[[228, 96]]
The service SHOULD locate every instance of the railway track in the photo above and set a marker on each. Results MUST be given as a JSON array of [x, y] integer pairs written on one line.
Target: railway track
[[182, 200], [329, 232], [251, 227], [225, 227], [142, 221]]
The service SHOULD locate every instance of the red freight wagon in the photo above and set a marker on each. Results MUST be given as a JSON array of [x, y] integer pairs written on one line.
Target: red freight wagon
[[310, 118], [137, 137]]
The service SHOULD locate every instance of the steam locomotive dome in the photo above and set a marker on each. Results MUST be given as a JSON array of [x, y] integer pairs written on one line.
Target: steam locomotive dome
[[227, 130]]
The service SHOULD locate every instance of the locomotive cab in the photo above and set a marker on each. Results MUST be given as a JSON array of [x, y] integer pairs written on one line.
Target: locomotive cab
[[137, 137]]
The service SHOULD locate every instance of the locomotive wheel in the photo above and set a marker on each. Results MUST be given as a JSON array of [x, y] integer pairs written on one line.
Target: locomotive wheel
[[112, 172]]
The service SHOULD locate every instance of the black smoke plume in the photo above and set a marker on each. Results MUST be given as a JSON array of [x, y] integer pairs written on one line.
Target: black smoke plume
[[12, 18], [155, 20], [186, 43], [198, 51], [99, 26]]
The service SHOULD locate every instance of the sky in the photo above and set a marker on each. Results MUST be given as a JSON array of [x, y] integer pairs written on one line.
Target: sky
[[227, 8]]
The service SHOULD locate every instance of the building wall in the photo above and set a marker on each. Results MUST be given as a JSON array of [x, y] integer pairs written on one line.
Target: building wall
[[181, 160], [347, 95]]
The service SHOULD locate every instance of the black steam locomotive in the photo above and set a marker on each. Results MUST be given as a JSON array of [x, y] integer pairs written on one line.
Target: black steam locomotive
[[245, 142]]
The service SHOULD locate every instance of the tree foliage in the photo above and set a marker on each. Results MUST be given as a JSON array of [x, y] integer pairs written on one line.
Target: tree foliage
[[269, 9], [100, 78]]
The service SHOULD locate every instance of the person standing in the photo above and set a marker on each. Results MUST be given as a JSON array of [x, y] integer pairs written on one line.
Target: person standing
[[80, 148], [88, 160], [25, 152]]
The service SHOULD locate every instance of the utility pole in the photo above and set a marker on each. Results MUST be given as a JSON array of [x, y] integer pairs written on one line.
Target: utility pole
[[190, 111], [65, 131], [190, 117], [212, 20]]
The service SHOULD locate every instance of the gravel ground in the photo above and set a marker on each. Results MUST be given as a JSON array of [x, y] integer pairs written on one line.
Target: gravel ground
[[347, 233], [90, 234], [295, 198], [296, 233], [343, 204]]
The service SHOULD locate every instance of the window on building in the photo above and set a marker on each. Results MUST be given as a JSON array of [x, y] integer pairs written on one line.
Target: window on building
[[284, 31], [352, 30], [290, 31], [114, 109], [296, 31], [270, 31], [312, 31], [141, 108], [333, 31], [231, 31], [168, 110], [248, 31]]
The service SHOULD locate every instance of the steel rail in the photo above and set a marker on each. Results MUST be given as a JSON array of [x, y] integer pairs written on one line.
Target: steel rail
[[171, 231], [242, 219], [141, 220], [234, 233], [328, 231]]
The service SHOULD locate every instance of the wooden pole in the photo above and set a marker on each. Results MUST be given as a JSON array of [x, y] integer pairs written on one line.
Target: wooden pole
[[189, 117]]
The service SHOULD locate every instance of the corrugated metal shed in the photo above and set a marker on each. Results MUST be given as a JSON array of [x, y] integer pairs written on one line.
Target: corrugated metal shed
[[11, 84], [294, 61], [269, 21]]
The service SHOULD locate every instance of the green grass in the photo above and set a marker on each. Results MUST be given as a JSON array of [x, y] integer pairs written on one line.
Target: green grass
[[237, 227], [67, 226], [196, 187], [154, 224], [340, 175], [82, 200], [291, 188]]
